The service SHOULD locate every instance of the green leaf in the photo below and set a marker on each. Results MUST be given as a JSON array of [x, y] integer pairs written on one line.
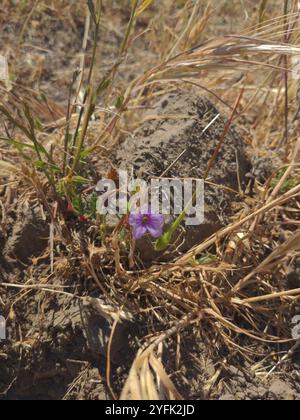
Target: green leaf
[[164, 241], [80, 180], [119, 101], [207, 259], [18, 144], [85, 153], [40, 164], [103, 85], [38, 124]]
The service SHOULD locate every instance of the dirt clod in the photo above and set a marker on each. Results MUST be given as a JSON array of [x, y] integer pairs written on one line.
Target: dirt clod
[[178, 138], [29, 236], [282, 390]]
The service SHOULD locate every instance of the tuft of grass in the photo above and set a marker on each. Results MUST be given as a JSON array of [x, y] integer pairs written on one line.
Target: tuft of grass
[[287, 185]]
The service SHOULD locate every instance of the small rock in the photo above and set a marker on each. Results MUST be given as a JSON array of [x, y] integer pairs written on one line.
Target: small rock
[[29, 237], [227, 397], [262, 391], [282, 390], [293, 275], [240, 395], [241, 375], [253, 394], [233, 370], [243, 382]]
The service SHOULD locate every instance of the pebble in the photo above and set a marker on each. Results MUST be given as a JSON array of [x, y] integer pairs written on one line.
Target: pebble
[[227, 397]]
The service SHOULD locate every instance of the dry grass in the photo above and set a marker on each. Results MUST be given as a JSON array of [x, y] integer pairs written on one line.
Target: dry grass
[[242, 296]]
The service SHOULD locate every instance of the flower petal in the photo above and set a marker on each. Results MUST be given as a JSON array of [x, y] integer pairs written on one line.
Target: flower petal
[[155, 232], [139, 231], [135, 219], [156, 220]]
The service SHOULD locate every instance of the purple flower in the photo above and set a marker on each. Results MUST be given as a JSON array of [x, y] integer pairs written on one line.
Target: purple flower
[[145, 222]]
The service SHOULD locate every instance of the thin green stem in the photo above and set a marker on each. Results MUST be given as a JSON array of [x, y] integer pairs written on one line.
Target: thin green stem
[[88, 100]]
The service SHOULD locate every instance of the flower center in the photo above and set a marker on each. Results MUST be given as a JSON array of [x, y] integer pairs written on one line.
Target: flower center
[[145, 220]]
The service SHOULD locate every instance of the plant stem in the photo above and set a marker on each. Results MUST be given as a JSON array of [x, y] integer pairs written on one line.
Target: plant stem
[[88, 96], [286, 77]]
